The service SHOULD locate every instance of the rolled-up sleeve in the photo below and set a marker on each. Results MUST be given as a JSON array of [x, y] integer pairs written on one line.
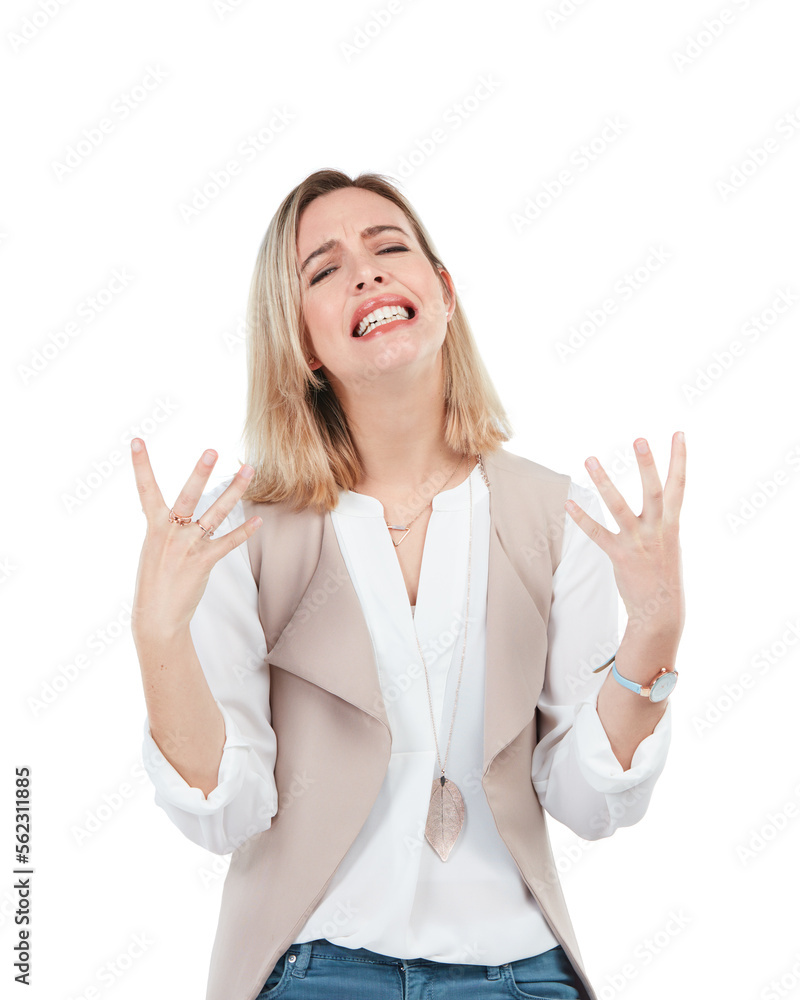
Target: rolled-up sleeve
[[229, 640], [575, 773]]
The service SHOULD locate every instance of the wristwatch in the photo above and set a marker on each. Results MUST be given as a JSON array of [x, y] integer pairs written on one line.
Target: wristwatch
[[659, 688]]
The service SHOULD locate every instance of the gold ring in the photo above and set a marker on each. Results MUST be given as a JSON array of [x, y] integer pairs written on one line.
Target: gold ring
[[177, 519]]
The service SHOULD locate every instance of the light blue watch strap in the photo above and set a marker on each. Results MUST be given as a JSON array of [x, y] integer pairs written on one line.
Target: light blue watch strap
[[662, 684], [630, 685]]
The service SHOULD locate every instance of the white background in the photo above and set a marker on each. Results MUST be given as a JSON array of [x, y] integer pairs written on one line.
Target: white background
[[164, 359]]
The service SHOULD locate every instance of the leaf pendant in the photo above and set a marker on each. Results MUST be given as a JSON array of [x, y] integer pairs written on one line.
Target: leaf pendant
[[445, 816]]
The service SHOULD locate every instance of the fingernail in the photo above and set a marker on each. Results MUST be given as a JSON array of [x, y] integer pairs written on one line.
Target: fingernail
[[681, 438], [209, 457], [641, 447], [136, 444], [591, 463], [247, 471]]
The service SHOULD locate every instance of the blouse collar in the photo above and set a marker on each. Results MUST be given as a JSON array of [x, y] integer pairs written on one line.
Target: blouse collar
[[457, 498]]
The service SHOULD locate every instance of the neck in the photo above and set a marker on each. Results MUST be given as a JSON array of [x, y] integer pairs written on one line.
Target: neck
[[397, 423]]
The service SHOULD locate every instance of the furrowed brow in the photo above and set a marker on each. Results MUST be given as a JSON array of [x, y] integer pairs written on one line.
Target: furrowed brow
[[365, 234]]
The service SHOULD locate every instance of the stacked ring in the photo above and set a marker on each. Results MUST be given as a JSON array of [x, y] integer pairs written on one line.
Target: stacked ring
[[178, 519]]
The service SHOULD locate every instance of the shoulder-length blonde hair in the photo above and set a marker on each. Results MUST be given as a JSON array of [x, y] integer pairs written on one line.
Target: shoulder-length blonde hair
[[296, 434]]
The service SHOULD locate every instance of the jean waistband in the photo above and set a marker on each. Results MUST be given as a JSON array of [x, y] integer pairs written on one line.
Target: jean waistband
[[322, 947]]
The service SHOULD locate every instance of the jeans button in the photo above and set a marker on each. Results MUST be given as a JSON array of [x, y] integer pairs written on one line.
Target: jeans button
[[293, 958]]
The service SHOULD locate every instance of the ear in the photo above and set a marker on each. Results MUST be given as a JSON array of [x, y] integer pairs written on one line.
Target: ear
[[308, 351], [450, 288]]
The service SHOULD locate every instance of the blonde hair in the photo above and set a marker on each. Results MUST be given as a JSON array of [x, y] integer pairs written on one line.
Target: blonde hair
[[296, 434]]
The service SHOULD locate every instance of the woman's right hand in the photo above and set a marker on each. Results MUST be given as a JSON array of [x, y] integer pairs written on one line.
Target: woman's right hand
[[176, 559]]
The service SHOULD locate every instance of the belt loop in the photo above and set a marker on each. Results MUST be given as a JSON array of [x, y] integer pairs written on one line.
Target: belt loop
[[492, 971], [301, 953]]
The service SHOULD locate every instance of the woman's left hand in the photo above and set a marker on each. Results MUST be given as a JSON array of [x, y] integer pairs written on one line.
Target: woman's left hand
[[646, 552]]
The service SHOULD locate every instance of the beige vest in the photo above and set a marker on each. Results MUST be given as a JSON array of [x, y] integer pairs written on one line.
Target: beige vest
[[333, 736]]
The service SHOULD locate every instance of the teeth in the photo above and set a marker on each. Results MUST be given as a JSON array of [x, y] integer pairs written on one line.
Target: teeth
[[380, 316]]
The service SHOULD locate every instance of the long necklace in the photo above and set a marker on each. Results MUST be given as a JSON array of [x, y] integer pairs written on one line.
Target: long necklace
[[446, 806]]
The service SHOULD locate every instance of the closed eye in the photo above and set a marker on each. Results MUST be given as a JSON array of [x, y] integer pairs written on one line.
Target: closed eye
[[327, 270]]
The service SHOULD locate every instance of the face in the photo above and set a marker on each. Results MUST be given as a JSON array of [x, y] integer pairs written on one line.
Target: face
[[352, 265]]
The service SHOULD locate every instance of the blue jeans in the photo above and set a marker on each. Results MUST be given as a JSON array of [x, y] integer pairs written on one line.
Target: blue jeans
[[319, 970]]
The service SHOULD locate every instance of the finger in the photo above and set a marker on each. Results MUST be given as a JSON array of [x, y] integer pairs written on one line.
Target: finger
[[612, 497], [652, 490], [676, 479], [150, 495], [195, 485], [227, 500], [232, 539], [602, 536]]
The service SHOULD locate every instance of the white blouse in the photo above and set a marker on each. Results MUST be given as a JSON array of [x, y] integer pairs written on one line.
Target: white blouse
[[392, 893]]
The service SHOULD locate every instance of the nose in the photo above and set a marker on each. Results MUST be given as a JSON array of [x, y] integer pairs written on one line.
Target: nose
[[366, 270]]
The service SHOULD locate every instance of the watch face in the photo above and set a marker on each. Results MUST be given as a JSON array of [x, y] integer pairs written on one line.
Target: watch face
[[663, 686]]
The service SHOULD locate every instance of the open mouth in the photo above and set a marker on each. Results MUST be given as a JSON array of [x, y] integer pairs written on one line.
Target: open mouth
[[380, 317]]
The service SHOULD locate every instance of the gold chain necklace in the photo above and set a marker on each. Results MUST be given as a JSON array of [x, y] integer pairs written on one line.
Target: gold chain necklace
[[405, 528]]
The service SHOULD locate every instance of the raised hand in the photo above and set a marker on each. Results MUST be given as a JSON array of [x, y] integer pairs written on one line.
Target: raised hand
[[646, 552], [176, 559]]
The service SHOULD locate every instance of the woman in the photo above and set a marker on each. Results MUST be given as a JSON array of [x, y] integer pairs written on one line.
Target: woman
[[374, 730]]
